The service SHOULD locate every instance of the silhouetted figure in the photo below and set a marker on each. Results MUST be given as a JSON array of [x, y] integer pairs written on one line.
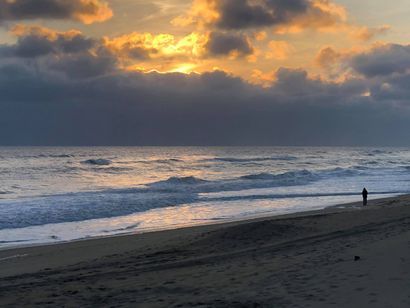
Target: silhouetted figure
[[364, 194]]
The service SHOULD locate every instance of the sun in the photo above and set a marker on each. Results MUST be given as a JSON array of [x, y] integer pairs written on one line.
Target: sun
[[185, 68]]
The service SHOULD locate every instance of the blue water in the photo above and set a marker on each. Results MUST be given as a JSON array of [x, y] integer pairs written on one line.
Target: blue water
[[56, 194]]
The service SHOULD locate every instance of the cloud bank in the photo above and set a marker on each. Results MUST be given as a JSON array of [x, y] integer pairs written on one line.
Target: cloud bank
[[248, 14], [63, 88], [86, 11]]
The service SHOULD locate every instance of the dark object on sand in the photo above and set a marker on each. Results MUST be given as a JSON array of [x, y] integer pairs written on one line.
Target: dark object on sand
[[356, 258], [364, 194]]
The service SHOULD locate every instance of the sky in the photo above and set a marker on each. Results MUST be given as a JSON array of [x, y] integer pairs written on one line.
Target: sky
[[204, 72]]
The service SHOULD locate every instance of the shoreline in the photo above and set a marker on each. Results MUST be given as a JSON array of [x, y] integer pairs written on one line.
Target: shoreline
[[301, 259], [249, 219]]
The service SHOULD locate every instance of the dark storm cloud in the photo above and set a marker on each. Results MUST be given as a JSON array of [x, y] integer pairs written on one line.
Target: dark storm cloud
[[246, 14], [87, 11], [82, 98], [383, 61], [85, 65], [34, 45], [68, 53], [221, 44]]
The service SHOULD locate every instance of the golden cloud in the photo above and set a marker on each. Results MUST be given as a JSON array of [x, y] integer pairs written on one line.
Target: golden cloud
[[246, 14], [20, 30], [93, 11], [146, 46], [279, 50], [366, 34]]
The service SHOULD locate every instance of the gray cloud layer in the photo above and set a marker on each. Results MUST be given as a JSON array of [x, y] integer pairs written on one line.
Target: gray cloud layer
[[51, 9], [33, 45], [384, 60], [222, 44], [71, 92], [246, 14]]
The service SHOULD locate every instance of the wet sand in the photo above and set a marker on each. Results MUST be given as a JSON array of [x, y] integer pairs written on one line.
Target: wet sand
[[340, 257]]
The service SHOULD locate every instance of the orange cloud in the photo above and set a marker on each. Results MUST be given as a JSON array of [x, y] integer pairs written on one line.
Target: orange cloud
[[246, 14], [322, 15], [20, 30], [144, 46], [328, 57], [279, 50], [366, 34], [335, 64], [265, 79], [93, 11], [201, 13]]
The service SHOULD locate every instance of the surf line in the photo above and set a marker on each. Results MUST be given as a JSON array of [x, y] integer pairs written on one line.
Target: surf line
[[13, 257]]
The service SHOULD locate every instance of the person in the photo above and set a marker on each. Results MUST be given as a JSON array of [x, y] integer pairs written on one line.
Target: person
[[364, 194]]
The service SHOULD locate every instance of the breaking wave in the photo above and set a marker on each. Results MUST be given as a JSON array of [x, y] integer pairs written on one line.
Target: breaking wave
[[188, 180], [98, 162], [170, 192], [254, 159]]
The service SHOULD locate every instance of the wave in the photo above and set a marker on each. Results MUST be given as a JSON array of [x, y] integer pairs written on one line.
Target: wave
[[259, 176], [57, 156], [113, 170], [291, 196], [251, 181], [254, 159], [153, 161], [47, 156], [339, 172], [378, 152], [292, 175], [188, 180], [128, 228], [98, 162], [80, 206], [166, 161], [173, 191]]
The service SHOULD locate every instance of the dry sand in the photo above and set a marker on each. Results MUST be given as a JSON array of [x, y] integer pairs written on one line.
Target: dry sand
[[304, 260]]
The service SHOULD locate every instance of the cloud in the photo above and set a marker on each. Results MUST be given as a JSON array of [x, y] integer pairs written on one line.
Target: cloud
[[279, 50], [225, 44], [145, 46], [366, 34], [69, 53], [74, 91], [38, 41], [250, 14], [86, 11], [328, 57], [382, 60], [212, 108]]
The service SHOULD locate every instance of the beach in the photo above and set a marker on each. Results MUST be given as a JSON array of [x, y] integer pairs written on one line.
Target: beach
[[343, 256]]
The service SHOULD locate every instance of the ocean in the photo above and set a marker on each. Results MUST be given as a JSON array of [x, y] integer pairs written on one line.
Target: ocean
[[54, 194]]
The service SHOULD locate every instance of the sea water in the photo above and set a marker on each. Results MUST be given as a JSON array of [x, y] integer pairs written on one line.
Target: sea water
[[61, 193]]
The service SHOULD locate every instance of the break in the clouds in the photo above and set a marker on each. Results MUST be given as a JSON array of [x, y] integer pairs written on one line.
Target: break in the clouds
[[73, 91], [86, 11]]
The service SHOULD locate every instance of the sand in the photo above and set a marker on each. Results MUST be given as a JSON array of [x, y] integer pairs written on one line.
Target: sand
[[302, 260]]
